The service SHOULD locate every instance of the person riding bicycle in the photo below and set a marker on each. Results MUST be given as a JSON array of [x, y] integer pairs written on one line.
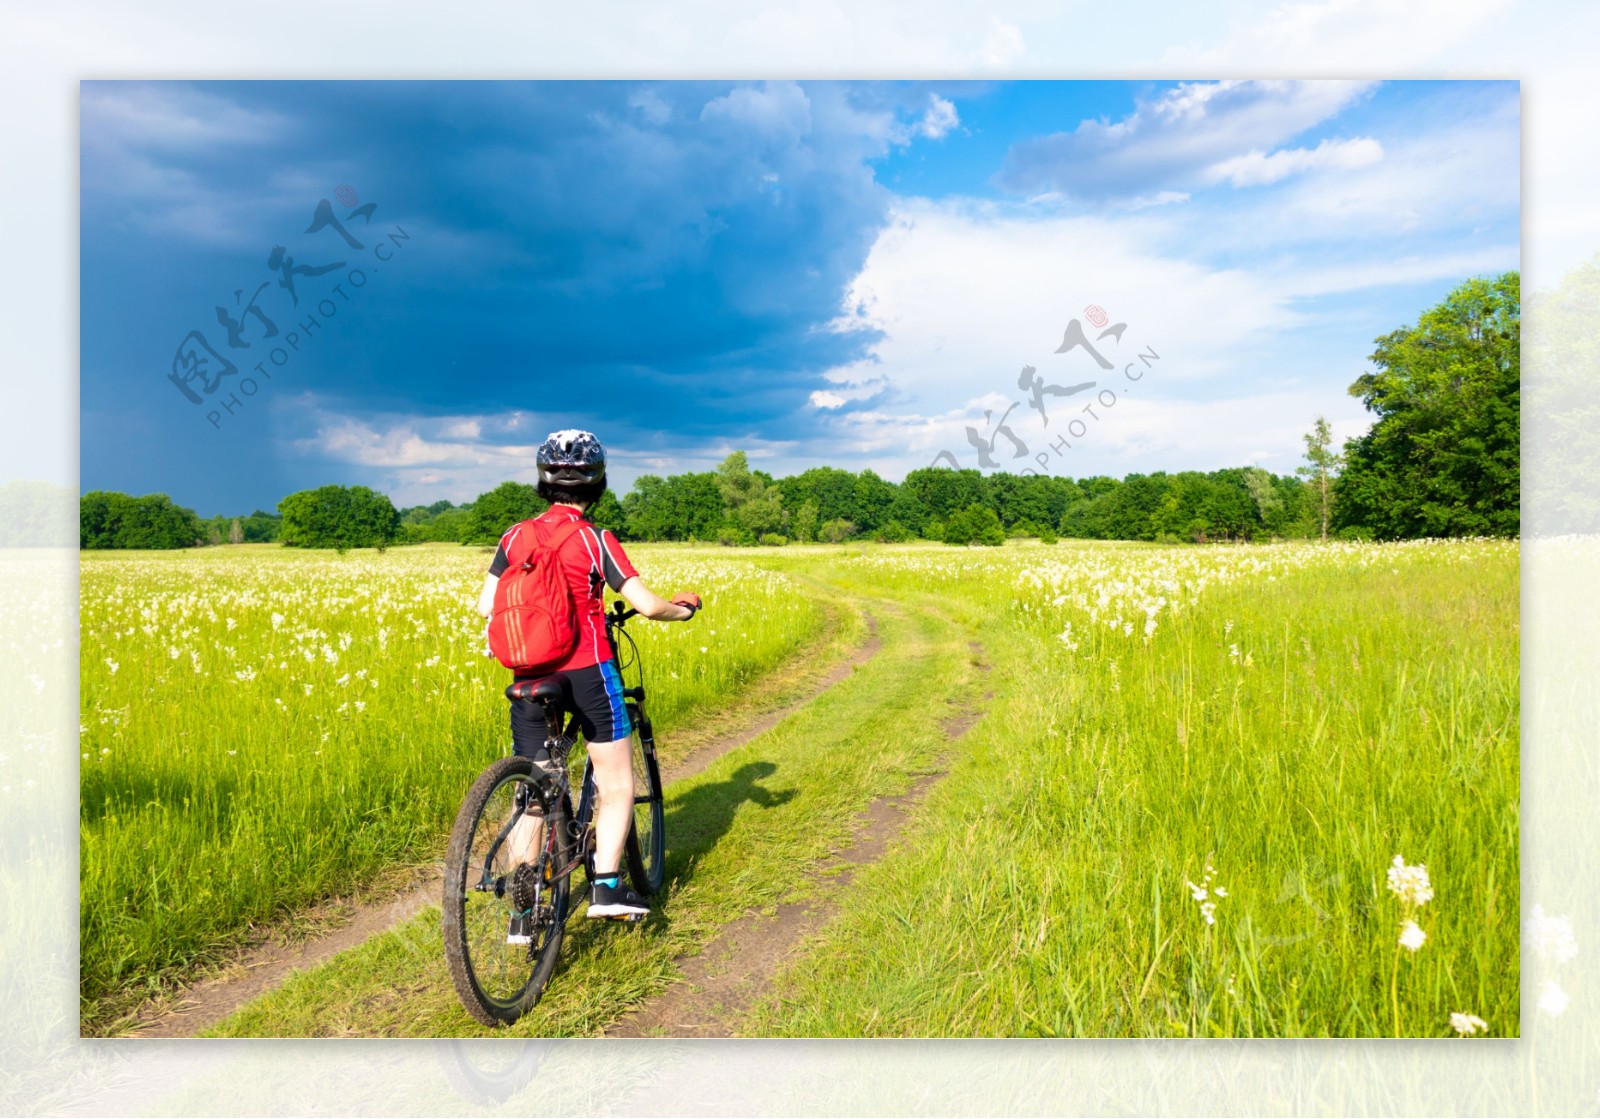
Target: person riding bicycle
[[572, 477]]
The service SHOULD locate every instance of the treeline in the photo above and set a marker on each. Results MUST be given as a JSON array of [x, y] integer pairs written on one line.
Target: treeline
[[738, 506]]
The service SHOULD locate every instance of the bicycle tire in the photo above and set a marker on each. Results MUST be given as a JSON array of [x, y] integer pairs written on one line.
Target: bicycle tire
[[646, 848], [475, 916]]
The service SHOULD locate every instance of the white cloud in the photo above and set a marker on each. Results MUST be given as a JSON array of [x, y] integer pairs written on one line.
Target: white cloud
[[966, 292], [779, 109], [1256, 168], [1171, 140], [939, 119], [651, 107]]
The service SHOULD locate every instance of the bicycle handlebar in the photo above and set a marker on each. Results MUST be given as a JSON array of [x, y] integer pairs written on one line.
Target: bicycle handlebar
[[620, 613]]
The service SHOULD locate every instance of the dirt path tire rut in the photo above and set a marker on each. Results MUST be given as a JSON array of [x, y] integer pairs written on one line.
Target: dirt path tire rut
[[719, 983], [261, 969]]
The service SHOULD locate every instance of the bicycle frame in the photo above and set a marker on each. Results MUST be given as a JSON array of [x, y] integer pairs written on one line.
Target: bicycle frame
[[559, 743]]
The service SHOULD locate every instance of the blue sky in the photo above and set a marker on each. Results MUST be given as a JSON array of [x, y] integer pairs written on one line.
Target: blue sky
[[840, 273]]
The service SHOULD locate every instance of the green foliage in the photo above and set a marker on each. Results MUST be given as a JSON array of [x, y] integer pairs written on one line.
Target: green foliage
[[1189, 506], [494, 512], [1563, 353], [440, 521], [682, 507], [976, 524], [892, 533], [36, 514], [773, 540], [338, 517], [804, 523], [750, 500], [107, 519], [1443, 456], [836, 531], [1321, 466], [733, 535]]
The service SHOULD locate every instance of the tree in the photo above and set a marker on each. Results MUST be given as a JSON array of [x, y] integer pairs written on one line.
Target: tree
[[36, 515], [804, 523], [107, 519], [499, 509], [750, 500], [682, 507], [874, 500], [976, 524], [236, 532], [338, 517], [1563, 368], [836, 531], [1321, 465], [1443, 456]]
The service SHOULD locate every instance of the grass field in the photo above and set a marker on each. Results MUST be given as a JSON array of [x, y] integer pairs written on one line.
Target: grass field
[[1291, 718], [262, 727]]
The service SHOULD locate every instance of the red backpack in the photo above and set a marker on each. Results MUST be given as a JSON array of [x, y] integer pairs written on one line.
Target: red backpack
[[535, 622]]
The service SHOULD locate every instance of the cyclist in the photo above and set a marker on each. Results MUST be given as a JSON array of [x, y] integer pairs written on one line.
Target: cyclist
[[572, 477]]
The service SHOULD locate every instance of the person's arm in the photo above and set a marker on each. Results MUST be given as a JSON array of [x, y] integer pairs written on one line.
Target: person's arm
[[653, 606], [486, 595], [623, 578]]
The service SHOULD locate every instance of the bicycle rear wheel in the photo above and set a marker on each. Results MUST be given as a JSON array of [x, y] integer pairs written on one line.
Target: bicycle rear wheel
[[645, 850], [485, 886]]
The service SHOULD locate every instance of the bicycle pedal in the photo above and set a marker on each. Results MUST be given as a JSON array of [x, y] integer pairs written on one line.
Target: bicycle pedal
[[628, 918]]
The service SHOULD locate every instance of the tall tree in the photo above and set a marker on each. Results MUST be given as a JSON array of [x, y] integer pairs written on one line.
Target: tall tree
[[1321, 466], [1443, 456]]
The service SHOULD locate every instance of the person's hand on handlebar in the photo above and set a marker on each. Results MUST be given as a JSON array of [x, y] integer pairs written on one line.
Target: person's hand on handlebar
[[690, 600]]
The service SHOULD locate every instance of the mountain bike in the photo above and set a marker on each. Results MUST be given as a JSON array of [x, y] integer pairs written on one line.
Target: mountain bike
[[485, 887]]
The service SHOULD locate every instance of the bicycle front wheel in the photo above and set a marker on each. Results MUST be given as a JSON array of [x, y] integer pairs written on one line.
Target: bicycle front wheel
[[503, 908], [645, 851]]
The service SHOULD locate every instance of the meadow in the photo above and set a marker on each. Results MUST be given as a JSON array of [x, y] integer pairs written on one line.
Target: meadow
[[1177, 814], [261, 728]]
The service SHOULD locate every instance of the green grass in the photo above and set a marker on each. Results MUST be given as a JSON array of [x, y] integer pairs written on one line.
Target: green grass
[[1292, 716], [1371, 709], [743, 836], [262, 728]]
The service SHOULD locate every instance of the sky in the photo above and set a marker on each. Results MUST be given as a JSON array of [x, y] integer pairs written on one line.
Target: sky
[[839, 273]]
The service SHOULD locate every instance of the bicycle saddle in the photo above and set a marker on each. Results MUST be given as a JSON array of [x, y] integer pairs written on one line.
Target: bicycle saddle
[[540, 691]]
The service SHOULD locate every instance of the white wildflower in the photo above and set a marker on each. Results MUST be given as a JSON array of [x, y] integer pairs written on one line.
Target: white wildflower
[[1467, 1024], [1552, 999], [277, 619], [112, 665], [1550, 937], [1409, 883], [1412, 936], [248, 672]]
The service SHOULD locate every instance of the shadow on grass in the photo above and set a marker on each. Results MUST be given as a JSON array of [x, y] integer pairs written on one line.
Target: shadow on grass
[[698, 820]]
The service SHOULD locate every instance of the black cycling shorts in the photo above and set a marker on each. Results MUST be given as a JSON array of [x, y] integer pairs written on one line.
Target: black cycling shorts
[[594, 694]]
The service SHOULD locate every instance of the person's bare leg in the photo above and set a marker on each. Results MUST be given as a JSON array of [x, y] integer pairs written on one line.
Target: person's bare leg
[[526, 839], [613, 780]]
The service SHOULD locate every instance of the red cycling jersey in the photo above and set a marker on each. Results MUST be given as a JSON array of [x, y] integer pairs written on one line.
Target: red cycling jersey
[[590, 558]]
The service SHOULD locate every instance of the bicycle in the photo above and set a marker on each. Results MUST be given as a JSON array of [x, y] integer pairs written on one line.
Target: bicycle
[[484, 889]]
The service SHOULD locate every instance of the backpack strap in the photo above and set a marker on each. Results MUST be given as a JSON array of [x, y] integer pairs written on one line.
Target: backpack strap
[[554, 539]]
